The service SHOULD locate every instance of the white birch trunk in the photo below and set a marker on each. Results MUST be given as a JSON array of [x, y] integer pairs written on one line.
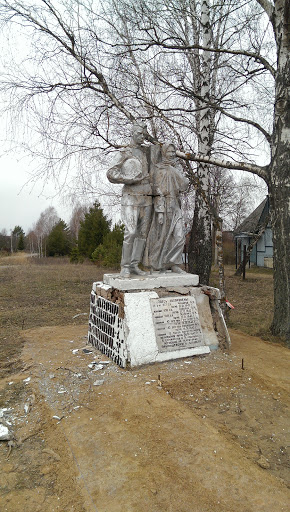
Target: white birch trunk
[[200, 255]]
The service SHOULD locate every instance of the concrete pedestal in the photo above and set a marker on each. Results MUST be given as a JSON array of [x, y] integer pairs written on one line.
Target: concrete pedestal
[[136, 321], [150, 281]]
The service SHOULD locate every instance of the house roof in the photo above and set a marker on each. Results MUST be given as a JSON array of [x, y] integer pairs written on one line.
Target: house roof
[[252, 222]]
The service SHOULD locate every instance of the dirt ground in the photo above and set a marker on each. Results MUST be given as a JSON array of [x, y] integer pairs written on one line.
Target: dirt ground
[[213, 437]]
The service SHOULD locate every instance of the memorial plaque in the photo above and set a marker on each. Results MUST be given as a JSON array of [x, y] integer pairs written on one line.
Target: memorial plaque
[[176, 323]]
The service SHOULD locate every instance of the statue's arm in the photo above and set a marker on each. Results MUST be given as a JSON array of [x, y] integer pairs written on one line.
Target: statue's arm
[[114, 174], [118, 172]]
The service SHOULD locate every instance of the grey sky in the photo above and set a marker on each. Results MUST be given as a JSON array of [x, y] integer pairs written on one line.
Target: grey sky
[[20, 204]]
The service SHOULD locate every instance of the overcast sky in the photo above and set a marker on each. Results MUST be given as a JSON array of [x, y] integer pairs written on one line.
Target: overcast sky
[[22, 204]]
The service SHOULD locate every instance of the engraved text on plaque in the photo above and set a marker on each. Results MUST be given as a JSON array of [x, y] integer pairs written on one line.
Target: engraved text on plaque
[[176, 323]]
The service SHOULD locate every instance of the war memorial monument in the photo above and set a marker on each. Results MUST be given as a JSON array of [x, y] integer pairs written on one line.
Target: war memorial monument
[[139, 317]]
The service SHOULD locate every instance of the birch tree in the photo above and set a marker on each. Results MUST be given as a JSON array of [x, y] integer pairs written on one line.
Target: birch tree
[[276, 174], [43, 226], [82, 98], [200, 247]]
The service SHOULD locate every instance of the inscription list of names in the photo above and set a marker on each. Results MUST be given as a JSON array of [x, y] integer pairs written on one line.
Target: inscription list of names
[[176, 322]]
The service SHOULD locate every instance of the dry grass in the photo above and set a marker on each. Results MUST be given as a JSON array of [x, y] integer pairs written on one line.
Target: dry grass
[[52, 291], [252, 299], [32, 295]]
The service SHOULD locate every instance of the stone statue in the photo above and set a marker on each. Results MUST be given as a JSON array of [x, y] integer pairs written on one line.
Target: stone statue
[[166, 237], [132, 170]]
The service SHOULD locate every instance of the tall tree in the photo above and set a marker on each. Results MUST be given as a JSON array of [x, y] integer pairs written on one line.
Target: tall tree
[[84, 74], [59, 240], [78, 214], [200, 246], [47, 220], [17, 235], [21, 242], [93, 229]]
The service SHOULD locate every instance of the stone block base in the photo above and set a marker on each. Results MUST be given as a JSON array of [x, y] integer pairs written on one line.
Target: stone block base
[[141, 326]]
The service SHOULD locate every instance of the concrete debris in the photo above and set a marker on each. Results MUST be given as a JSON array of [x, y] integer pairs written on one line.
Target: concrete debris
[[75, 350], [95, 365], [5, 434], [27, 407], [27, 380], [99, 382]]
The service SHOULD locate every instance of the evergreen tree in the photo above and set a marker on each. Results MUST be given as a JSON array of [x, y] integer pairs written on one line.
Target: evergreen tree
[[93, 229], [21, 244], [109, 253], [15, 237], [59, 240]]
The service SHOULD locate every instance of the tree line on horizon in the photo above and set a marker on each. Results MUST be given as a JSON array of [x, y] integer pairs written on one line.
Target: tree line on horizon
[[90, 234]]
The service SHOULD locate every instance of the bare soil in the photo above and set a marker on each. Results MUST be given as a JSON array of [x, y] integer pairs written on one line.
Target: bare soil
[[211, 438]]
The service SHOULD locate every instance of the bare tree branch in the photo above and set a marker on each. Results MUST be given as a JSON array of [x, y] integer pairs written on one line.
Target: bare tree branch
[[258, 58], [262, 172]]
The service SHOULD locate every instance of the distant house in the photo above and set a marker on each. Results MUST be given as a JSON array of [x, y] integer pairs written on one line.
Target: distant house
[[262, 253]]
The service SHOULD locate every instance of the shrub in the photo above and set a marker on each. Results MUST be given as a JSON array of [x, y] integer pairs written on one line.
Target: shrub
[[75, 256]]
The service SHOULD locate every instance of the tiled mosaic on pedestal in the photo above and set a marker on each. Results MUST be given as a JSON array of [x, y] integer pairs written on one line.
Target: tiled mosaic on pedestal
[[106, 329], [140, 321]]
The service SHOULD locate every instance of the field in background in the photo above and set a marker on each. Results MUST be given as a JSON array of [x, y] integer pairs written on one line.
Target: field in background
[[50, 291], [36, 292]]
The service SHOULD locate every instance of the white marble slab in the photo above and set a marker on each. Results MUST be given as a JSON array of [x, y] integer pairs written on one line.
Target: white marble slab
[[141, 334], [176, 322], [150, 281]]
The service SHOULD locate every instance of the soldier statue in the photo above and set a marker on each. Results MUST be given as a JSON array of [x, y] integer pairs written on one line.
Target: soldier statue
[[131, 168]]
